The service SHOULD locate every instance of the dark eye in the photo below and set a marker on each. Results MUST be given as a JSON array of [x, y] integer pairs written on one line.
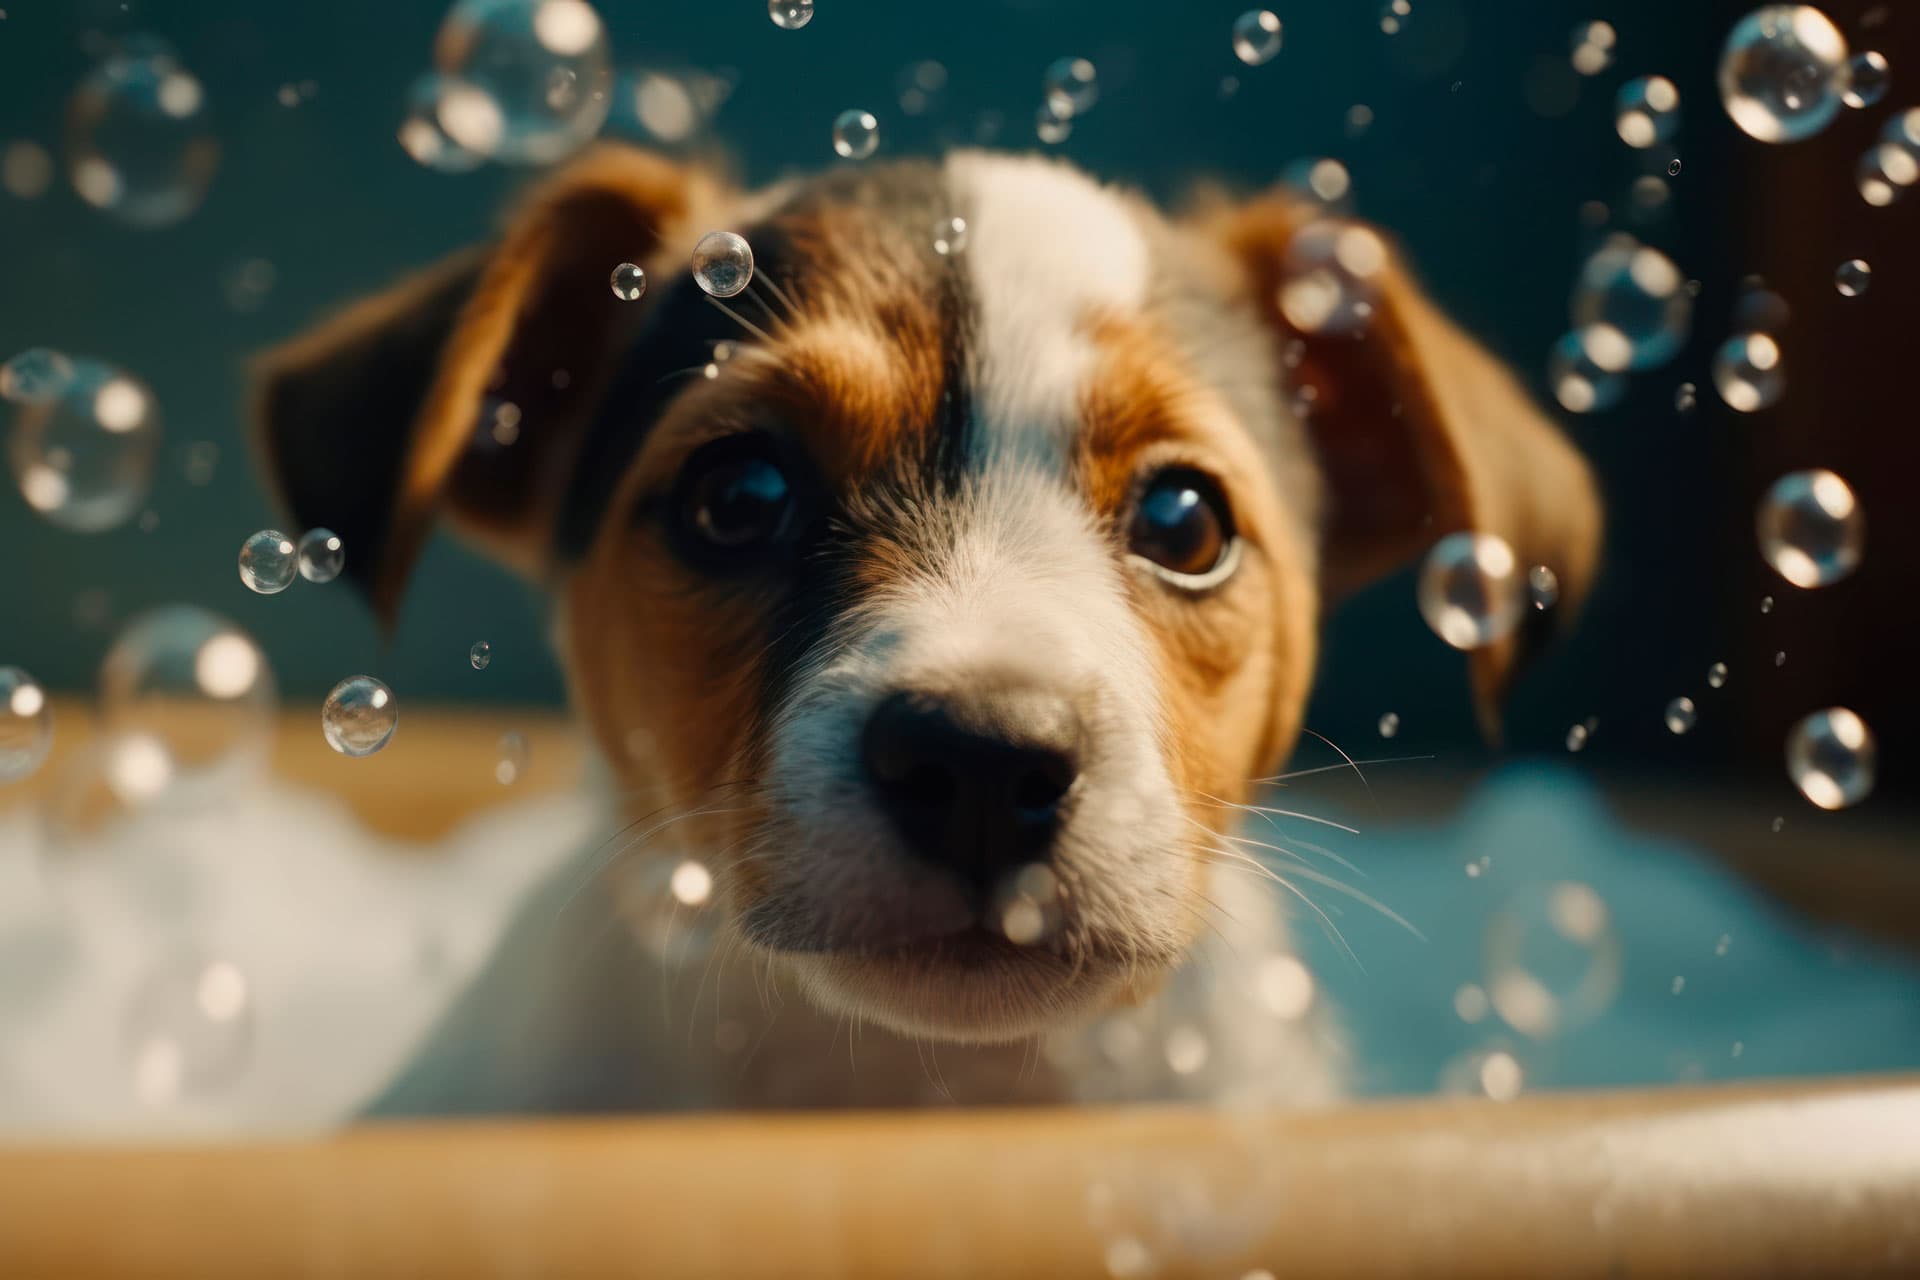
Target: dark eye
[[1181, 525], [735, 499]]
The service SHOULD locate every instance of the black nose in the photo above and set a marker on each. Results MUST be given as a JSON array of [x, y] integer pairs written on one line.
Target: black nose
[[975, 782]]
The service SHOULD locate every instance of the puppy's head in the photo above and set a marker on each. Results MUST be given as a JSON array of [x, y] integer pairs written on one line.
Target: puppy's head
[[969, 584]]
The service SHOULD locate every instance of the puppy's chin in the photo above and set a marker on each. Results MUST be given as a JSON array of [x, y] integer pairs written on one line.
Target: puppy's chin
[[967, 988]]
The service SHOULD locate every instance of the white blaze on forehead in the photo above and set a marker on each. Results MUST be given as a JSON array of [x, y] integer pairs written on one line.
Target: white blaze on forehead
[[1046, 247]]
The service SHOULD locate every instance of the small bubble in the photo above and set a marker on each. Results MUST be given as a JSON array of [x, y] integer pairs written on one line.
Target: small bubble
[[1722, 944], [1580, 385], [1332, 276], [1577, 737], [1673, 167], [359, 716], [1749, 373], [1679, 984], [1766, 604], [322, 555], [1630, 308], [188, 1029], [1778, 824], [1050, 127], [1831, 757], [1469, 589], [1389, 724], [722, 263], [1359, 120], [1592, 47], [1543, 587], [269, 561], [1070, 87], [950, 236], [26, 724], [1470, 1002], [1256, 37], [480, 655], [1686, 397], [1885, 171], [1852, 277], [1647, 111], [1866, 80], [1780, 658], [790, 15], [511, 757], [856, 134], [1681, 715], [1187, 1050], [629, 282], [1717, 675], [1782, 71], [1811, 529]]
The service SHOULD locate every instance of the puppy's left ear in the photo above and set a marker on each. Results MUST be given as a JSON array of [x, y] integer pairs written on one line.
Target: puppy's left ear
[[1419, 432]]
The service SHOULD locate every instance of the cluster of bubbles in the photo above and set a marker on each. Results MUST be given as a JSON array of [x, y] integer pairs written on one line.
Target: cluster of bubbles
[[270, 560], [83, 438]]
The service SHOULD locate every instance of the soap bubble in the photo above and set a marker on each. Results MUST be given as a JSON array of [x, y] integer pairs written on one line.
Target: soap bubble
[[1070, 86], [1885, 171], [1051, 128], [920, 85], [1646, 111], [949, 236], [1592, 47], [1332, 276], [36, 376], [1470, 589], [197, 686], [790, 15], [1681, 715], [1811, 528], [511, 758], [1685, 397], [1831, 758], [1867, 79], [188, 1029], [322, 555], [359, 716], [138, 141], [1553, 959], [268, 561], [1748, 372], [1630, 307], [1389, 725], [26, 724], [527, 81], [480, 655], [1852, 277], [1577, 737], [420, 133], [1543, 587], [1323, 180], [856, 134], [1393, 14], [722, 263], [629, 282], [1494, 1074], [82, 446], [1256, 36], [1580, 385], [1717, 675], [1783, 71]]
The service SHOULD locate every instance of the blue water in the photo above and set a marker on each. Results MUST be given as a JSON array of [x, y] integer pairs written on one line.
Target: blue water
[[1796, 999]]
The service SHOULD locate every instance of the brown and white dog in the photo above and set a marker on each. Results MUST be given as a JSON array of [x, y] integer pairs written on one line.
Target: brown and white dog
[[963, 564]]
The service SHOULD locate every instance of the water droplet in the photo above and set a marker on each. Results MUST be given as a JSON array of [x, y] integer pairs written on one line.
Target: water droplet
[[1749, 373], [1782, 72], [1811, 528], [1543, 587], [359, 716], [1389, 724], [629, 282], [1069, 87], [1256, 37], [1553, 960], [188, 1029], [950, 236], [1592, 47], [322, 555], [1577, 737], [1331, 277], [1685, 397], [790, 15], [1646, 111], [722, 263], [1831, 758], [139, 144], [527, 81], [421, 134], [1867, 79], [83, 440], [855, 134], [1852, 277], [480, 655], [1717, 675], [1681, 715], [1469, 589], [1580, 385], [1630, 307], [268, 561], [26, 724], [511, 758]]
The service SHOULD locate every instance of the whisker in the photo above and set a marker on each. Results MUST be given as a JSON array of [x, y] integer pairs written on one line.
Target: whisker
[[1283, 813], [773, 287], [740, 320], [1329, 768], [1368, 786]]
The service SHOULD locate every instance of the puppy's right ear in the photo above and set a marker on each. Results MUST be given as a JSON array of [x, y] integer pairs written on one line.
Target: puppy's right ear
[[465, 390]]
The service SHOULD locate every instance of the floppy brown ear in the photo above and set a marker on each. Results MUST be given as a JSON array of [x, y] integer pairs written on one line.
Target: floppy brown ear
[[1420, 433], [466, 388]]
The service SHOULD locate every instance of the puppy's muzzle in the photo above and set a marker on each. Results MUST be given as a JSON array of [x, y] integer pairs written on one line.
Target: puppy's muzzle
[[976, 783]]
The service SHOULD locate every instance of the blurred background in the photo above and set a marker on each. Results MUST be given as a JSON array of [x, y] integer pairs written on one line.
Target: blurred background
[[1481, 135]]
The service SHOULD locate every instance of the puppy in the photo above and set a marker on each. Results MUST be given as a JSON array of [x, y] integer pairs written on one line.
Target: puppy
[[951, 615]]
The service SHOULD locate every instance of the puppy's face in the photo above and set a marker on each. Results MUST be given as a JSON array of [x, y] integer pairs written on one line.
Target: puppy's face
[[958, 592]]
